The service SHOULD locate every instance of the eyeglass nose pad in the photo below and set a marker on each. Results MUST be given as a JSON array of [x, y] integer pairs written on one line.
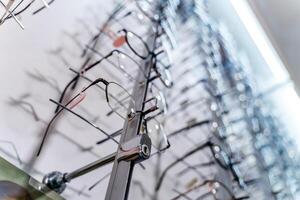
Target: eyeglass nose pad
[[77, 101], [119, 41]]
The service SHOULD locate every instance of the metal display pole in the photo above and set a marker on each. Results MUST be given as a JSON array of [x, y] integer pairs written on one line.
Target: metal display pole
[[120, 178]]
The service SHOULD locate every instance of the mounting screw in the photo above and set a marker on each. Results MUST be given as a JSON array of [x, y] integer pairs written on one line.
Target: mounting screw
[[145, 151]]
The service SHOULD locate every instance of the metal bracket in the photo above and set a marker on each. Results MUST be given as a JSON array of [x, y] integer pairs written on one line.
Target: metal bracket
[[137, 149]]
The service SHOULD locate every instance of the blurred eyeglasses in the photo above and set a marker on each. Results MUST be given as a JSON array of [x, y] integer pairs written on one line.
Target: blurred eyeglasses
[[140, 48], [191, 124], [136, 44], [216, 189], [220, 157], [156, 104]]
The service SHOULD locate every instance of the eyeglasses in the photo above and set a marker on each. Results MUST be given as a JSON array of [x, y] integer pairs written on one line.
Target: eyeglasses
[[109, 136], [157, 97], [147, 9], [180, 159], [200, 165], [101, 31], [220, 156], [163, 74], [153, 129], [72, 84], [113, 17], [160, 15], [116, 96], [214, 186], [121, 61], [139, 47], [136, 44], [129, 15], [156, 102]]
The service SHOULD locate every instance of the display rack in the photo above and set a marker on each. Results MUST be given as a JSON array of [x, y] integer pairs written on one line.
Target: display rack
[[206, 134]]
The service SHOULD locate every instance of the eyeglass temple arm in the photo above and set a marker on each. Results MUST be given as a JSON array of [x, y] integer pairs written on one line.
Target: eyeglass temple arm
[[189, 127], [180, 194], [99, 181], [64, 91], [115, 134], [87, 121], [98, 61], [74, 81], [113, 64], [182, 172], [186, 103], [186, 155], [213, 181], [88, 79], [59, 111], [43, 7]]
